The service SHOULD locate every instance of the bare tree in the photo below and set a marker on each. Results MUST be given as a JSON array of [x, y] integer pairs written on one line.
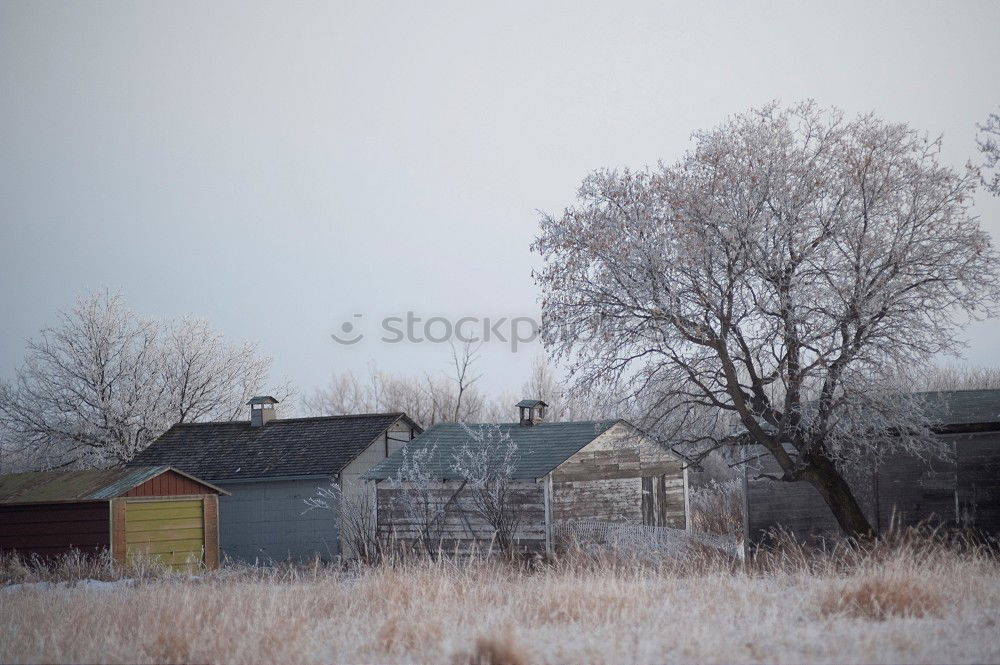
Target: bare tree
[[768, 283], [88, 390], [989, 145], [356, 520], [486, 462], [419, 497], [207, 378], [104, 382], [464, 380]]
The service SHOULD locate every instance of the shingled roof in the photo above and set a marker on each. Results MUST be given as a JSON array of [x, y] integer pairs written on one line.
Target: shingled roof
[[540, 448], [282, 448]]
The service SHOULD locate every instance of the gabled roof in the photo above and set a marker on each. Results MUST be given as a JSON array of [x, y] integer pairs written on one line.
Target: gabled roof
[[529, 404], [540, 448], [281, 448], [78, 486]]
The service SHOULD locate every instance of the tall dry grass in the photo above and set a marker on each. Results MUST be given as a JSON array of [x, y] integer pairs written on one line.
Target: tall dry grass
[[921, 598]]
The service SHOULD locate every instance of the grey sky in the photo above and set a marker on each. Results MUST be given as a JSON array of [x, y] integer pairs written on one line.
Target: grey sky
[[277, 168]]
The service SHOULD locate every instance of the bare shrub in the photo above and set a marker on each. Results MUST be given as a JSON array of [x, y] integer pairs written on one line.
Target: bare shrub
[[501, 650], [717, 507], [356, 514], [880, 598], [76, 565], [486, 462]]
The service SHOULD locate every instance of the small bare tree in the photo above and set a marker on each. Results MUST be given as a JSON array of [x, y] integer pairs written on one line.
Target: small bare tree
[[486, 462], [419, 495], [462, 363], [356, 520]]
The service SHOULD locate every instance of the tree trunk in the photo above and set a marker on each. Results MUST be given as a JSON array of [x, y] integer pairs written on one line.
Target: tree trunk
[[825, 477]]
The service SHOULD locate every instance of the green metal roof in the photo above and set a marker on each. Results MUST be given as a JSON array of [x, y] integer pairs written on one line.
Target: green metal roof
[[540, 448], [75, 486]]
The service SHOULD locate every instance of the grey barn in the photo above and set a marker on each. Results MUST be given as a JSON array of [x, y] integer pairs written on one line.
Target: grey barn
[[569, 479], [962, 491], [270, 465]]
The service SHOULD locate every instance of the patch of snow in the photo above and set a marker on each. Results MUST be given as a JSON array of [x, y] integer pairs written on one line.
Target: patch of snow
[[92, 585]]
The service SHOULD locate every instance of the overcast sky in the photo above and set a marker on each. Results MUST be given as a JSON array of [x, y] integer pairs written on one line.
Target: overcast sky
[[279, 168]]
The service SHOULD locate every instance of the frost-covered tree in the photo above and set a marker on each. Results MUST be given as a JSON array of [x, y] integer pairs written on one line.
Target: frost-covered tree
[[989, 146], [418, 496], [102, 383], [205, 376], [486, 463], [769, 284]]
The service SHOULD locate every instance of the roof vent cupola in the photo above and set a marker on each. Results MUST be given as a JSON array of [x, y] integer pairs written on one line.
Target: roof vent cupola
[[532, 411], [262, 410]]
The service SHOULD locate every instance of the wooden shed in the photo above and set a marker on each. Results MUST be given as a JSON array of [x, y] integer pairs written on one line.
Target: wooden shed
[[570, 480], [156, 511], [959, 491]]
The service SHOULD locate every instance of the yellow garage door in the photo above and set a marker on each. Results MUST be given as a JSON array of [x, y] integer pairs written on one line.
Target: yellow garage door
[[173, 531]]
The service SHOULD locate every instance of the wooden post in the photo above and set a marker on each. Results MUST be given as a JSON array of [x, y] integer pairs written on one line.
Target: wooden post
[[118, 549], [210, 512], [547, 499]]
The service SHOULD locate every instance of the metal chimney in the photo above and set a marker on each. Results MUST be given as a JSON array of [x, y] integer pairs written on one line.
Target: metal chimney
[[262, 410], [532, 411]]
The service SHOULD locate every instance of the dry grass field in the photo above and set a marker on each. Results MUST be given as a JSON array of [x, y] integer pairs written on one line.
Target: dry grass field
[[913, 602]]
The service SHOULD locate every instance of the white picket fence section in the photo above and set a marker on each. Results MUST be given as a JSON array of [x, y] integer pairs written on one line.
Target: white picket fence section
[[642, 539]]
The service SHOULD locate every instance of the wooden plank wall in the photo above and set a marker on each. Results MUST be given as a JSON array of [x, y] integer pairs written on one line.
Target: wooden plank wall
[[979, 481], [53, 529], [169, 483], [620, 477], [460, 529], [912, 490], [797, 507], [903, 491]]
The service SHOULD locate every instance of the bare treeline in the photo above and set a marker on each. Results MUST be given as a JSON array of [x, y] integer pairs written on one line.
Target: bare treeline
[[451, 396]]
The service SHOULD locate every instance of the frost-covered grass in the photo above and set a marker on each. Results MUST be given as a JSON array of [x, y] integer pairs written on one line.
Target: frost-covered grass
[[911, 602]]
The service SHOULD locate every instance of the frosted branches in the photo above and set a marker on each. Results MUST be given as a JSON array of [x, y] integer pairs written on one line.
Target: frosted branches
[[99, 386], [771, 282], [418, 498], [989, 145], [486, 462]]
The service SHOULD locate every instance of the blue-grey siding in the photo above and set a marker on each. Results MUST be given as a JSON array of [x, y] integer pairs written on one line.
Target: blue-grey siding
[[264, 521]]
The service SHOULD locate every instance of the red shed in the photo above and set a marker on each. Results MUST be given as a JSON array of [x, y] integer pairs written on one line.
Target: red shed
[[157, 511]]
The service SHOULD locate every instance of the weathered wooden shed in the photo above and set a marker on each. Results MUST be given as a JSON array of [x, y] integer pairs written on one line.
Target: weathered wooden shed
[[567, 475], [962, 491], [157, 511]]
